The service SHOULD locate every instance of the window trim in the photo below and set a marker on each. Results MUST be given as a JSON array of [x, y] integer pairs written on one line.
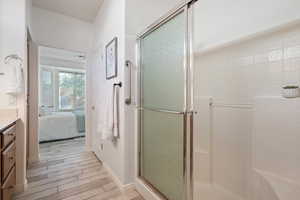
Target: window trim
[[55, 71], [58, 83], [53, 83]]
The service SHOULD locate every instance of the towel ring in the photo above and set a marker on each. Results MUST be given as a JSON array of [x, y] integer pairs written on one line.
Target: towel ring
[[11, 57]]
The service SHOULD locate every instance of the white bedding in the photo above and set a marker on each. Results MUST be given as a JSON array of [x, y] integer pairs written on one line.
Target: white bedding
[[59, 125]]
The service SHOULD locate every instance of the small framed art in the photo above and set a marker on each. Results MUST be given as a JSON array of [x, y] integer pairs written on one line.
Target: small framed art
[[111, 59]]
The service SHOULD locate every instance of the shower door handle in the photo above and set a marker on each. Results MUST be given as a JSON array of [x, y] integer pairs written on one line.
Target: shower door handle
[[128, 64], [163, 111]]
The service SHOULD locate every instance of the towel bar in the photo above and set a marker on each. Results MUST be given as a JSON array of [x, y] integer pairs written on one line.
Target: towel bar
[[129, 66]]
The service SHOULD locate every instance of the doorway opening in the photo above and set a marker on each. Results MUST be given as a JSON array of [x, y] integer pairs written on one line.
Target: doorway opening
[[62, 97]]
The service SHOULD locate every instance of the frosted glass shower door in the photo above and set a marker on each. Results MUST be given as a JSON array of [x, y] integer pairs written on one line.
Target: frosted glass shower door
[[163, 108]]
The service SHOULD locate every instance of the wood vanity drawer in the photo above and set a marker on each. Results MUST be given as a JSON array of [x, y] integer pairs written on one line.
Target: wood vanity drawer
[[8, 186], [7, 136], [8, 159]]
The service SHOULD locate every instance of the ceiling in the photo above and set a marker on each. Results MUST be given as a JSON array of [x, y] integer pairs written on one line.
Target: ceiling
[[62, 54], [52, 57], [81, 9]]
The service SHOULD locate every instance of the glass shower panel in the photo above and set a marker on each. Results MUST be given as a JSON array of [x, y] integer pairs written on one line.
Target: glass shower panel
[[162, 66], [162, 152], [162, 102]]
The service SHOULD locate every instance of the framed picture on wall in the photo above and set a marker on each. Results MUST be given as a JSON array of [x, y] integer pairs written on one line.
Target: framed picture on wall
[[111, 59]]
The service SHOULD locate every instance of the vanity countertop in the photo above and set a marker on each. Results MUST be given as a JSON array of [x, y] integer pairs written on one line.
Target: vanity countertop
[[8, 116], [6, 122]]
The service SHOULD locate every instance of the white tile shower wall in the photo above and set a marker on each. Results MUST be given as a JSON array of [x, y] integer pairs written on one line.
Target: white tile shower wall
[[276, 137], [241, 153], [202, 140], [231, 148]]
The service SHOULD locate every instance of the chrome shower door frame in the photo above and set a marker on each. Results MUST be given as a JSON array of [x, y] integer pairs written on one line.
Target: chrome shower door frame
[[188, 112]]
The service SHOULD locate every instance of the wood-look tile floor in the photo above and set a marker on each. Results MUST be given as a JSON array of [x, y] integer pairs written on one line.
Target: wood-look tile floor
[[67, 172]]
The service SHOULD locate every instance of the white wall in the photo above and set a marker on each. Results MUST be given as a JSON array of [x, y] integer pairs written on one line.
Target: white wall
[[109, 23], [46, 28], [120, 157], [60, 31], [13, 41], [29, 15], [12, 36]]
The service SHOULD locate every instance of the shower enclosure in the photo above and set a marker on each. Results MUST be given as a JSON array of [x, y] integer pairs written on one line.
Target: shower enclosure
[[246, 134], [214, 120], [165, 106]]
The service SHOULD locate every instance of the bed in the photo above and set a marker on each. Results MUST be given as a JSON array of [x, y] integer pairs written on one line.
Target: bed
[[61, 125]]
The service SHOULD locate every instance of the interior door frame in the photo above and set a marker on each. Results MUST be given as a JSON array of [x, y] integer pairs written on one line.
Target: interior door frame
[[188, 97], [33, 98], [88, 99], [33, 114]]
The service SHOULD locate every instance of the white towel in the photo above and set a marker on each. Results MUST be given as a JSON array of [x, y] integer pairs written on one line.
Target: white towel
[[105, 125], [14, 77], [108, 125], [116, 112]]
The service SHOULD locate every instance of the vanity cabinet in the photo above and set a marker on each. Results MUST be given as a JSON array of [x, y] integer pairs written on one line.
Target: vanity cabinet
[[8, 161]]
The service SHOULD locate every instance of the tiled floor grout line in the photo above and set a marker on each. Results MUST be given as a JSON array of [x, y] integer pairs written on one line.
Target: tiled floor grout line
[[71, 174], [46, 189]]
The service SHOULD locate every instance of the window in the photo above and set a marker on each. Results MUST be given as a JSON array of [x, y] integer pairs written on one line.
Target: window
[[47, 86], [71, 90]]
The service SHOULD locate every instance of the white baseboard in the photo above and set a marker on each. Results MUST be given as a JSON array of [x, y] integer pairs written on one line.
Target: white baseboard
[[124, 188], [145, 191], [128, 187], [114, 176]]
